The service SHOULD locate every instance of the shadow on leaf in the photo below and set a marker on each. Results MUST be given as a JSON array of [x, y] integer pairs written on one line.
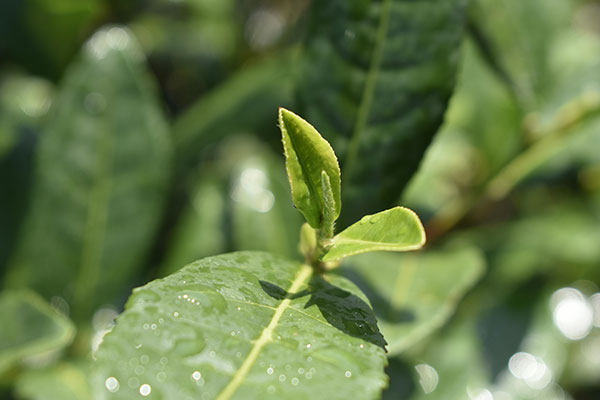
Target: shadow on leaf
[[384, 310], [340, 308]]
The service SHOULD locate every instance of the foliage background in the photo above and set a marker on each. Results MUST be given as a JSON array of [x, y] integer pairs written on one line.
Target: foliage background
[[513, 175]]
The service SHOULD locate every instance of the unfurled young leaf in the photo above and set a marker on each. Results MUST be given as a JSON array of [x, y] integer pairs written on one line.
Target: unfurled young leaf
[[397, 229], [307, 156]]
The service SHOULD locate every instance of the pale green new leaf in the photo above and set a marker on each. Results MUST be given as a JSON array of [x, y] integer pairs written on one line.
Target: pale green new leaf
[[307, 155], [102, 168], [245, 325], [397, 229], [414, 294], [30, 327]]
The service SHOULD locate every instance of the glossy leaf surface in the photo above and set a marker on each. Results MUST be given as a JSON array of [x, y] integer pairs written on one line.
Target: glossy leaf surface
[[397, 229], [244, 325], [102, 166], [375, 83], [30, 327], [414, 294], [307, 155]]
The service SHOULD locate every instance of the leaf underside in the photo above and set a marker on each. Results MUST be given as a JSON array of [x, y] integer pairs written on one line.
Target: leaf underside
[[391, 67], [244, 325], [397, 229]]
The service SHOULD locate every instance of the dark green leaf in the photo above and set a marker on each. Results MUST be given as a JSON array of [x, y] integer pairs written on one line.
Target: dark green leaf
[[414, 294], [30, 327], [249, 325], [102, 167], [397, 229], [376, 82], [307, 155]]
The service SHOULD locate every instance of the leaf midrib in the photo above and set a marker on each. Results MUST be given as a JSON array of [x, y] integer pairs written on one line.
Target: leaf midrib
[[369, 88], [265, 337], [314, 194]]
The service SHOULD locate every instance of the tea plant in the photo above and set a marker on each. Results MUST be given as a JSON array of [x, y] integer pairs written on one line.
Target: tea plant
[[156, 145], [256, 325]]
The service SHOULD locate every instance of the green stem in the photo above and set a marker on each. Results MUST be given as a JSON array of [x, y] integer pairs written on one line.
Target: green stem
[[551, 140]]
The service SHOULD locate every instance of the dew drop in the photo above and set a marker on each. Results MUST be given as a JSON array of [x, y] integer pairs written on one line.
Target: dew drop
[[308, 346], [144, 359], [145, 389], [301, 371], [112, 384], [270, 371], [196, 375], [176, 314], [161, 376], [295, 381], [281, 378], [271, 389], [139, 370], [348, 374]]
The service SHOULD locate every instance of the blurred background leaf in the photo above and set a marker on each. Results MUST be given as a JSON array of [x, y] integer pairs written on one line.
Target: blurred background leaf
[[101, 173], [375, 81]]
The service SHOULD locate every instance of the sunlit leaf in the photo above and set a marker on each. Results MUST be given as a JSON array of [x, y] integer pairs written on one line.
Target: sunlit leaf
[[30, 327], [245, 325], [102, 166], [414, 294], [375, 83], [397, 229], [307, 155]]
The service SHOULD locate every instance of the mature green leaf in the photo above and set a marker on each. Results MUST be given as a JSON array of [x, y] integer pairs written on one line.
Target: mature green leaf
[[414, 294], [58, 382], [397, 229], [307, 155], [246, 325], [30, 327], [101, 173], [376, 82]]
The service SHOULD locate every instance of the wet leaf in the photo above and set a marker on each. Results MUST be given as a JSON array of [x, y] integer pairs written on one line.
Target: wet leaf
[[307, 155], [102, 166], [375, 83], [414, 294], [30, 327], [397, 229], [246, 325]]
